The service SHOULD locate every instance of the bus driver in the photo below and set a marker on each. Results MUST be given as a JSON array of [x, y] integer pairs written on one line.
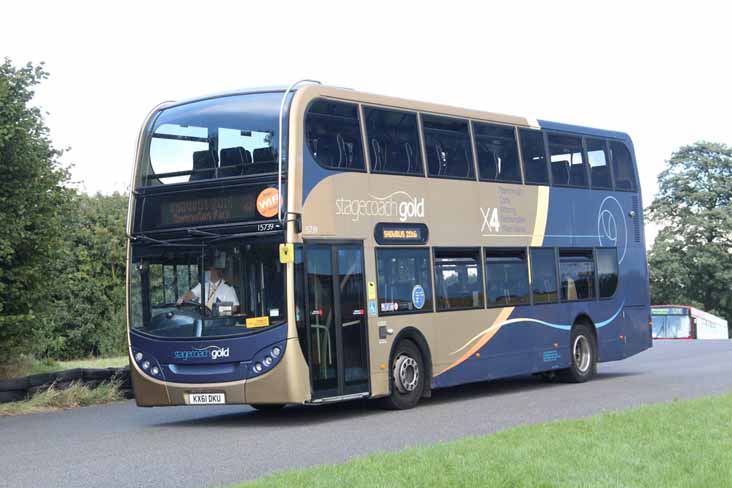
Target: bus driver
[[216, 290]]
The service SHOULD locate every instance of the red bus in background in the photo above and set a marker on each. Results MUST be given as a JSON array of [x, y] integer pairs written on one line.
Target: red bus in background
[[685, 322]]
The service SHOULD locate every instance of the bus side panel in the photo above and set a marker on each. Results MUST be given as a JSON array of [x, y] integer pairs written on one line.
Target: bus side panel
[[638, 331], [532, 340]]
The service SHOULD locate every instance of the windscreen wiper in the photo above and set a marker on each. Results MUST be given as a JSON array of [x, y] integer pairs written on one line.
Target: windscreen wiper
[[162, 242]]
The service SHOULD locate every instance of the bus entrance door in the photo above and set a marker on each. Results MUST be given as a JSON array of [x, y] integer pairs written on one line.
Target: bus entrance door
[[336, 324]]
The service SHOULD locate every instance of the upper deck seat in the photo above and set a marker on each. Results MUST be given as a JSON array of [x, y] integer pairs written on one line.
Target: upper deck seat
[[560, 172], [577, 175], [600, 174], [204, 166], [489, 170], [264, 162], [233, 161], [411, 160], [377, 151]]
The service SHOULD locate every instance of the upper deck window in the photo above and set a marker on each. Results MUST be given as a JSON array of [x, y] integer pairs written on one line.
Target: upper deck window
[[497, 153], [623, 167], [214, 138], [447, 143], [534, 156], [393, 141], [333, 134], [568, 166], [599, 163]]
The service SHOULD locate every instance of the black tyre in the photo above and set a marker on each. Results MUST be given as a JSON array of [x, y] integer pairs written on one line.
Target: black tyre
[[267, 407], [583, 349], [97, 373], [407, 378], [12, 396], [75, 374], [41, 379], [14, 384]]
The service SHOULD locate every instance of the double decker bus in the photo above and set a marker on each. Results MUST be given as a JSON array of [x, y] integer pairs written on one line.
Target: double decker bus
[[317, 244], [685, 322]]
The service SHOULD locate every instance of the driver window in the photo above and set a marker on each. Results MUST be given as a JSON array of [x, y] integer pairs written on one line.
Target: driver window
[[262, 282]]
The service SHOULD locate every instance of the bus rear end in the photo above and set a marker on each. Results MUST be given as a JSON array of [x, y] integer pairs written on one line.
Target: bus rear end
[[207, 291]]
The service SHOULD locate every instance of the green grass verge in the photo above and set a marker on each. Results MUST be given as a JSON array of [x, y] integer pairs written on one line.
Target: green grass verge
[[76, 395], [27, 365], [680, 444]]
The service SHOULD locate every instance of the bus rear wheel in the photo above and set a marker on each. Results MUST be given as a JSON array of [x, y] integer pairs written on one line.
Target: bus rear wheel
[[407, 377], [583, 349]]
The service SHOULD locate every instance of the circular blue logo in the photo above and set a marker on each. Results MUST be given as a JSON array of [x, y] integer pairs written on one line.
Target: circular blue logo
[[418, 297], [612, 228]]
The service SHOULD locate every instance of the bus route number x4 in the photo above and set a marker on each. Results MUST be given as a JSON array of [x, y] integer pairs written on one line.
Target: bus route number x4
[[491, 223]]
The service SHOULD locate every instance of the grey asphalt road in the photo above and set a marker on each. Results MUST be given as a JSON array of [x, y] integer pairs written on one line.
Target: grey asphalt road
[[122, 445]]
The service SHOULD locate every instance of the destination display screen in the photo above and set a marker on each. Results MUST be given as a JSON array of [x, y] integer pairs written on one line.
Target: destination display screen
[[387, 233], [669, 311], [225, 206], [207, 210]]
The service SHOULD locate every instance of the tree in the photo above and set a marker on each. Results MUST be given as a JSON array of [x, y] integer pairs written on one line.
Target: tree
[[89, 293], [691, 259], [33, 199]]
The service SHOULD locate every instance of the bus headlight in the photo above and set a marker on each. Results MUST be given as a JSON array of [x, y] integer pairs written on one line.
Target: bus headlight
[[147, 363], [266, 359]]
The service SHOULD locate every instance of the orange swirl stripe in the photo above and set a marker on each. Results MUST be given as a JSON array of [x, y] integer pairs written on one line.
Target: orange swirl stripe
[[485, 336]]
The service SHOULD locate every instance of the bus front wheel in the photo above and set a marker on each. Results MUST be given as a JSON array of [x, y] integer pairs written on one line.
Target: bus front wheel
[[583, 349], [407, 377]]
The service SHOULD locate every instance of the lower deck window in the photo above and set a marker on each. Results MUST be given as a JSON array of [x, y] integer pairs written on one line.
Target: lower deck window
[[577, 271], [404, 281], [607, 271], [507, 277], [544, 275], [458, 280]]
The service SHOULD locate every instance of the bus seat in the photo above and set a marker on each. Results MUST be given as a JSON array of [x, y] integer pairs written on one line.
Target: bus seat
[[560, 172], [411, 160], [441, 160], [263, 155], [577, 175], [491, 168], [622, 183], [342, 152], [468, 162], [233, 160], [571, 289], [264, 162], [600, 174], [203, 166], [378, 154]]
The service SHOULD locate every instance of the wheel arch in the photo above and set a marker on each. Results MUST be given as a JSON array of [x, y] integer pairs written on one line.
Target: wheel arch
[[414, 335], [585, 319]]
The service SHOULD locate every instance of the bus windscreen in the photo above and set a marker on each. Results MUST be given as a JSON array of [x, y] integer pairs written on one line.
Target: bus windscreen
[[211, 292]]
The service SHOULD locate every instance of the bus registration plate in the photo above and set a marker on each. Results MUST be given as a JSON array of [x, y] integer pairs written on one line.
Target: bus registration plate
[[206, 399]]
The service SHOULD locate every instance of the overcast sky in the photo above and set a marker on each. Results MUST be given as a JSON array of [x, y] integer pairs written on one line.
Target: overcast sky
[[660, 71]]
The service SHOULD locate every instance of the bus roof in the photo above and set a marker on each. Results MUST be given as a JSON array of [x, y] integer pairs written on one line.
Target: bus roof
[[348, 93]]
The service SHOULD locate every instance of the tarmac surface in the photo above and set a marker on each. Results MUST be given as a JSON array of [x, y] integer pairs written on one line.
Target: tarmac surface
[[123, 445]]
